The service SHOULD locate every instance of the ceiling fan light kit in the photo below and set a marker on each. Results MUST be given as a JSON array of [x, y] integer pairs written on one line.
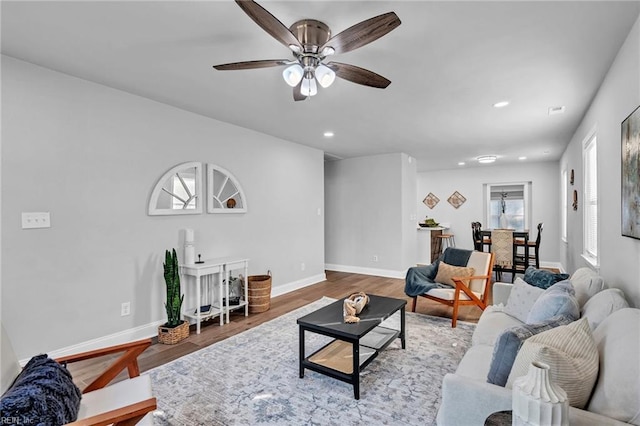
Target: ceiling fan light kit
[[310, 42]]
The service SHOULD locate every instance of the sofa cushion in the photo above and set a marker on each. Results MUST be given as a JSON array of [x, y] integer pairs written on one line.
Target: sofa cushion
[[558, 299], [603, 304], [586, 283], [491, 324], [542, 278], [509, 343], [446, 272], [570, 351], [521, 299], [617, 391], [43, 393], [476, 362]]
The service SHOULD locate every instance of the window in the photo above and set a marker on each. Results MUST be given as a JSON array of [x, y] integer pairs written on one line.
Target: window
[[507, 206], [590, 197], [564, 204]]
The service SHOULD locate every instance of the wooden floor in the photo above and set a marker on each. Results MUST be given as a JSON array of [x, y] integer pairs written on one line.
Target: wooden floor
[[338, 285]]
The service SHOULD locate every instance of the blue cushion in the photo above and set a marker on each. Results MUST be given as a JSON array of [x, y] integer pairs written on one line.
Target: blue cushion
[[42, 394], [541, 278], [509, 343], [559, 299]]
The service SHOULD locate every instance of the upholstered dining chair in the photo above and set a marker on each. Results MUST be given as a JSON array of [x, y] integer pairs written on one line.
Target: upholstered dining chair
[[459, 278]]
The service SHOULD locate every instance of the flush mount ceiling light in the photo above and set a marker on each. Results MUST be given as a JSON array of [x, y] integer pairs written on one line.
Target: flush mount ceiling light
[[310, 42], [484, 159], [501, 104], [328, 134]]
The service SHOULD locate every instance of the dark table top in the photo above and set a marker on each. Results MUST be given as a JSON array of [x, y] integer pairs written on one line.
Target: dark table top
[[330, 318]]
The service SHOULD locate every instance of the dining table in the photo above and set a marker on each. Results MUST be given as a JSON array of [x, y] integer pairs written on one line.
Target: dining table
[[520, 259]]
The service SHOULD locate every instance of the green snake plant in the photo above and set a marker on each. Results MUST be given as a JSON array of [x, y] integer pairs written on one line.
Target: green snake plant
[[172, 280]]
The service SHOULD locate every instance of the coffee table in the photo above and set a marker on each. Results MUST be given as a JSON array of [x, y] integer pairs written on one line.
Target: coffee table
[[355, 345]]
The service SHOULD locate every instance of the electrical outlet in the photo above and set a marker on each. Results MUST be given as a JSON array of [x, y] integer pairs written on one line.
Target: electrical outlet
[[303, 266], [375, 257], [125, 309], [36, 220]]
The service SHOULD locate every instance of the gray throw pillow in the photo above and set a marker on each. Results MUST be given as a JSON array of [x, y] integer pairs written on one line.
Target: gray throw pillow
[[542, 278], [521, 299], [509, 343], [559, 299]]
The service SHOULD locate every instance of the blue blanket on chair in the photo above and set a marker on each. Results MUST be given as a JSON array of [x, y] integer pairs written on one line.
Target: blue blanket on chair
[[420, 279]]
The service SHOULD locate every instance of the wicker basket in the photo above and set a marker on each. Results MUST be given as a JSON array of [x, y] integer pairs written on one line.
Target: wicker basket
[[259, 289], [171, 336]]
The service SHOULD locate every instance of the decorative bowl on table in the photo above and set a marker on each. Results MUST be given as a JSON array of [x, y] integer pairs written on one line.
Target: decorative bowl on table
[[428, 225]]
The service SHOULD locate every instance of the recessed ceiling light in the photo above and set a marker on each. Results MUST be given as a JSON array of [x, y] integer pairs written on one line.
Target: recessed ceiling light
[[522, 158], [486, 159], [556, 110], [461, 163], [328, 134], [501, 104]]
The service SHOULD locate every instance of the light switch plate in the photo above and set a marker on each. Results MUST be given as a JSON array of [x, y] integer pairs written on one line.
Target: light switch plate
[[33, 220]]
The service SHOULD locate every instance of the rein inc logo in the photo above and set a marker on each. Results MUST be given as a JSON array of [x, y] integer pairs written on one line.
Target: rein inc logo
[[15, 420]]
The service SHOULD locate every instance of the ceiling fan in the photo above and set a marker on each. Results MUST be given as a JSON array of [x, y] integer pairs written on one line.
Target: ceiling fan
[[311, 43]]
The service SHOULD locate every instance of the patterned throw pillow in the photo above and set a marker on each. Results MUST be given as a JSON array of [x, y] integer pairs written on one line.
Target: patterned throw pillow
[[509, 343], [541, 278], [521, 299], [446, 272], [571, 353]]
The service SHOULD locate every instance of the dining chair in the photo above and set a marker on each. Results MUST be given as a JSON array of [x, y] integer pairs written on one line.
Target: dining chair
[[476, 227], [531, 250]]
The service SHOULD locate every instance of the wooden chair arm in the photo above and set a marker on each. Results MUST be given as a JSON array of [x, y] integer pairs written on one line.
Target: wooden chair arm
[[124, 416], [128, 360]]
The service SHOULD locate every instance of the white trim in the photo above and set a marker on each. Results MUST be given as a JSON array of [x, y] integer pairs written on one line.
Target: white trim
[[387, 273], [296, 285], [142, 332]]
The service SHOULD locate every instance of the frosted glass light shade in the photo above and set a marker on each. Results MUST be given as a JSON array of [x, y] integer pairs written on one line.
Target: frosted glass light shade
[[293, 74], [309, 87], [325, 76]]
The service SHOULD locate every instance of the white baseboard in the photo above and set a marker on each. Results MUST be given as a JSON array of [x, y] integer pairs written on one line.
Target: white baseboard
[[387, 273], [295, 285], [151, 330]]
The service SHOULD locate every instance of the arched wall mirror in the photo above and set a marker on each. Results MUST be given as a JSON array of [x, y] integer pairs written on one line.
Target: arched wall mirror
[[179, 191], [507, 205], [224, 193]]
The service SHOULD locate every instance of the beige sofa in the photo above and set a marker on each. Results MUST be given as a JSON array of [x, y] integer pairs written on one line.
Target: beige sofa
[[468, 399]]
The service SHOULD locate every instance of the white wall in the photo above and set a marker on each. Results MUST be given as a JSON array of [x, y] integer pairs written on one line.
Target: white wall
[[617, 97], [91, 155], [469, 182], [366, 207]]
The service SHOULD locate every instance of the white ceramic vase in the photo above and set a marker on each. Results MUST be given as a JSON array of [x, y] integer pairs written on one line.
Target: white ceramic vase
[[504, 222], [537, 400]]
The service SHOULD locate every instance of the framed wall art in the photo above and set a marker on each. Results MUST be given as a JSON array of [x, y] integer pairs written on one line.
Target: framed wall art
[[631, 175], [431, 200], [456, 199]]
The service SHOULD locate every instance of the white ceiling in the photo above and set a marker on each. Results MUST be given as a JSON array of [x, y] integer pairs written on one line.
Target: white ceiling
[[449, 62]]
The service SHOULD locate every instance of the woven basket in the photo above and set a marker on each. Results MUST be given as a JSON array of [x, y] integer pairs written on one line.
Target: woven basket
[[259, 289], [171, 336]]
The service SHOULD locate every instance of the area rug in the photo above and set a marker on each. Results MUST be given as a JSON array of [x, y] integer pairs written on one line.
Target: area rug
[[252, 378]]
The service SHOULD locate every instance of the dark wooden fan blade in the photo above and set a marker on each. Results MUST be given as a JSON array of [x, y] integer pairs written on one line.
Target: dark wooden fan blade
[[359, 75], [363, 33], [269, 23], [297, 93], [248, 65]]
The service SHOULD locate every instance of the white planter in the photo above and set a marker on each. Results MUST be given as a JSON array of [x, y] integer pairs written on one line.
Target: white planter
[[537, 400]]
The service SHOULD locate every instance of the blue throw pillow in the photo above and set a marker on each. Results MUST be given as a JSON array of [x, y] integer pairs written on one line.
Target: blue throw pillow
[[509, 343], [559, 299], [541, 278], [42, 394]]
